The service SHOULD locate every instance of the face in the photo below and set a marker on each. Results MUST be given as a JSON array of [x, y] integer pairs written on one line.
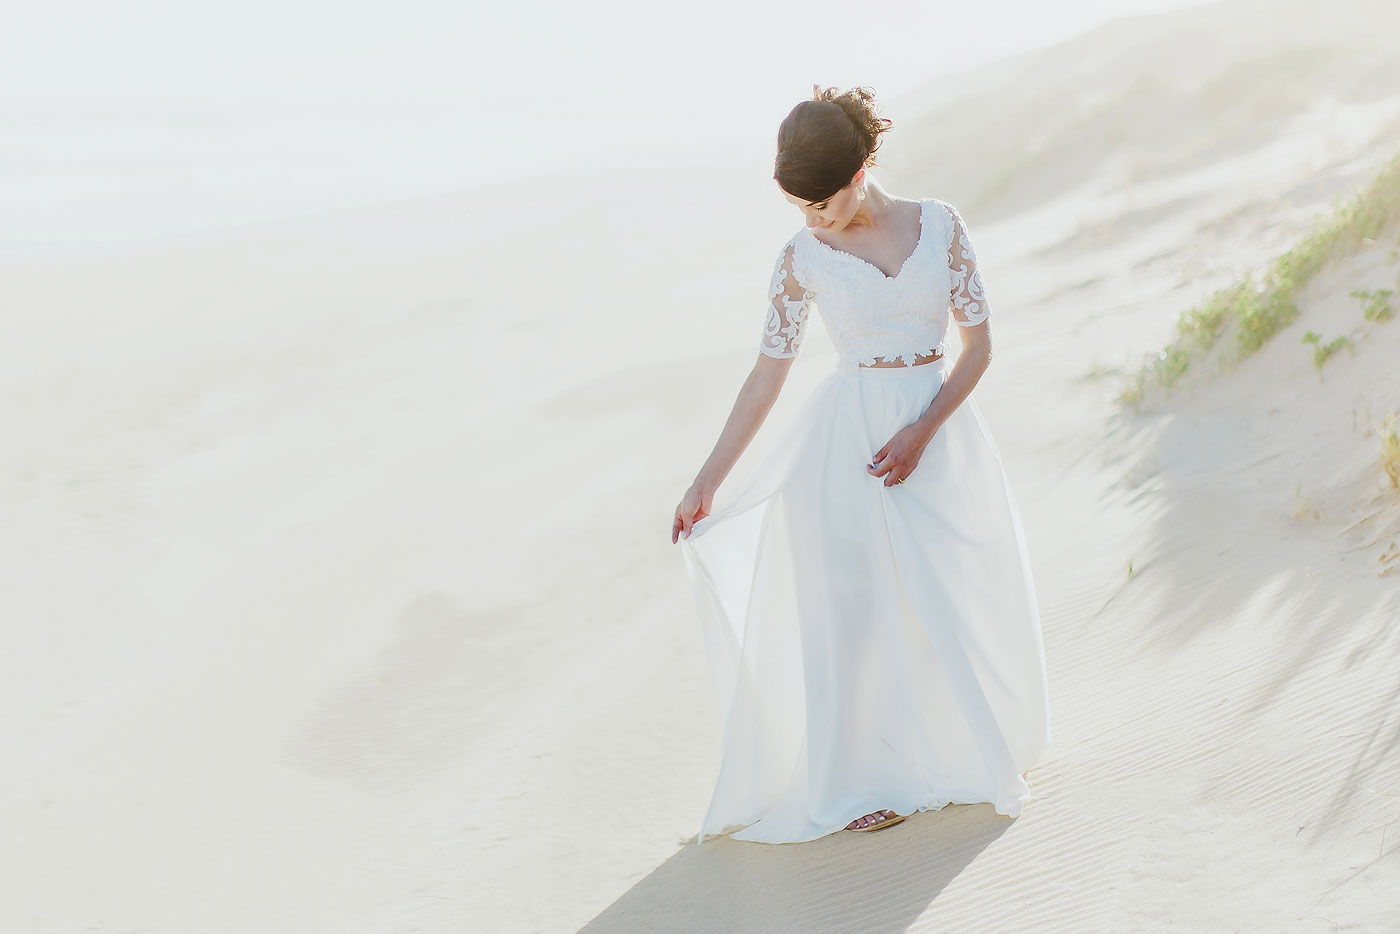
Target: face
[[833, 213]]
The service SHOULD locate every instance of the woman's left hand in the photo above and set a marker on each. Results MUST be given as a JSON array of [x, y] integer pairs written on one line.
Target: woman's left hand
[[900, 455]]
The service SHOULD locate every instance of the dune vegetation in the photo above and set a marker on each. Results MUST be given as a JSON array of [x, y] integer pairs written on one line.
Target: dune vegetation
[[1390, 450], [1254, 309]]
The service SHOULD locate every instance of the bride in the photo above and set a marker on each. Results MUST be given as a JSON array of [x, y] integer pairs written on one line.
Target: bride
[[865, 595]]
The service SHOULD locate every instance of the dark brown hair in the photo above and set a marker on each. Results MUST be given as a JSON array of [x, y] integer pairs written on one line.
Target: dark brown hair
[[823, 142]]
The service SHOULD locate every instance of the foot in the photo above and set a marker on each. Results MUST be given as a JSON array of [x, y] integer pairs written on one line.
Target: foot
[[870, 820]]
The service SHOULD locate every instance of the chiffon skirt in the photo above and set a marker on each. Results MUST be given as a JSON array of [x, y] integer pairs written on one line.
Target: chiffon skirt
[[871, 647]]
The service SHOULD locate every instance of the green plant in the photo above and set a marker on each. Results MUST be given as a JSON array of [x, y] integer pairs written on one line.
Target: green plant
[[1375, 304], [1259, 311], [1166, 367], [1321, 351], [1390, 451]]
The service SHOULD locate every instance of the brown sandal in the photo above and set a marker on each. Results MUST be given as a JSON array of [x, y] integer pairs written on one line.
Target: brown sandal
[[880, 823]]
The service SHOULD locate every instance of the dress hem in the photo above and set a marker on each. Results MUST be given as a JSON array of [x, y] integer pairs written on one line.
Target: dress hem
[[1013, 811]]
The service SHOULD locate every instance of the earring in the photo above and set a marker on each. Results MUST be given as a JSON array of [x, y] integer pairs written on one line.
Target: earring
[[861, 194]]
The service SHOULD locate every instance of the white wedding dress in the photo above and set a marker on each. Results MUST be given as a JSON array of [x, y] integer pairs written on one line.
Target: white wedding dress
[[872, 647]]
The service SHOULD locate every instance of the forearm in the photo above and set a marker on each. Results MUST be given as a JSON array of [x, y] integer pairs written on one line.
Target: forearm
[[972, 362], [755, 400]]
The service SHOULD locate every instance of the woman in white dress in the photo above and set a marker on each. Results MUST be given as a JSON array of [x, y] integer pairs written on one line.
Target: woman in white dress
[[865, 596]]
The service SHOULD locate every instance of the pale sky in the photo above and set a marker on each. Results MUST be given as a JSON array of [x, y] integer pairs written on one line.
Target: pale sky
[[146, 117]]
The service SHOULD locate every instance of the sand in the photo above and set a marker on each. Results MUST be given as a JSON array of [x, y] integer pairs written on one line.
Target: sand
[[338, 590]]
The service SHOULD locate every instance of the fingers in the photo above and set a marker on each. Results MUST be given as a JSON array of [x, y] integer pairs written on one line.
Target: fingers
[[690, 511], [683, 524], [895, 468], [892, 472], [880, 464]]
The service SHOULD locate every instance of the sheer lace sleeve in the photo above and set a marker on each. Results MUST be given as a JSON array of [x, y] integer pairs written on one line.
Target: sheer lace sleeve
[[789, 303], [968, 296]]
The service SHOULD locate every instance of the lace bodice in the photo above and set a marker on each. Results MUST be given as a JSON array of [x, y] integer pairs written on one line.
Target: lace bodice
[[871, 316]]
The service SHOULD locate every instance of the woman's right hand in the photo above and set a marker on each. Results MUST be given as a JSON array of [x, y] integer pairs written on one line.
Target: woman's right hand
[[756, 397], [694, 506]]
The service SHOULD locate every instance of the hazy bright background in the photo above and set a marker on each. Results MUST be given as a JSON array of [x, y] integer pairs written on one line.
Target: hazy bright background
[[151, 117]]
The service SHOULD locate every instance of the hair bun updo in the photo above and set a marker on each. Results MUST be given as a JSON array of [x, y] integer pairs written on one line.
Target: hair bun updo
[[824, 142]]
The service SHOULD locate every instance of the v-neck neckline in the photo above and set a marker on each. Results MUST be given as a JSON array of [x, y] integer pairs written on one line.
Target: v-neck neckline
[[923, 226]]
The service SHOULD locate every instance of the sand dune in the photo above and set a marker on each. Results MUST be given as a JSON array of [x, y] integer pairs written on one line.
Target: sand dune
[[339, 593]]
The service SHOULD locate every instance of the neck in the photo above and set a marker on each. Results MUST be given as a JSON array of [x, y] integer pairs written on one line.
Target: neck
[[874, 208]]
